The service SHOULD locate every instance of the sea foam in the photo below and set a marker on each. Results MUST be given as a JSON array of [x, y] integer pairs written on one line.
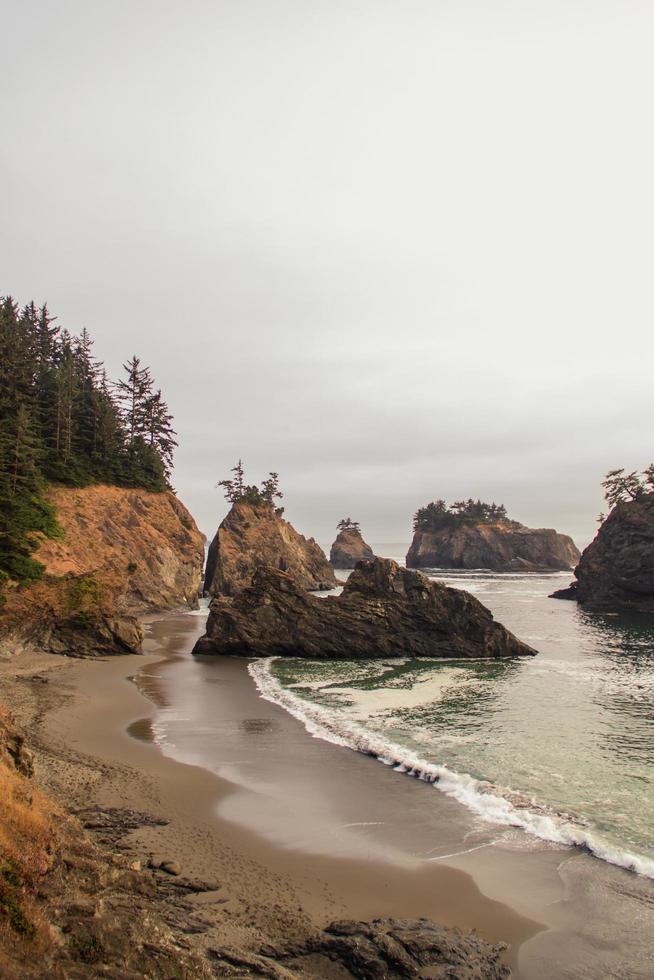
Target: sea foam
[[489, 802]]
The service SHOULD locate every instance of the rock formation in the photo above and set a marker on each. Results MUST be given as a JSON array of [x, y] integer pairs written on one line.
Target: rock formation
[[349, 548], [616, 571], [123, 552], [253, 535], [383, 611], [502, 547]]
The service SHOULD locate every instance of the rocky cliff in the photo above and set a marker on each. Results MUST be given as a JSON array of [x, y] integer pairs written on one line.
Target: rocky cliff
[[253, 535], [503, 547], [348, 549], [383, 611], [122, 552], [616, 571]]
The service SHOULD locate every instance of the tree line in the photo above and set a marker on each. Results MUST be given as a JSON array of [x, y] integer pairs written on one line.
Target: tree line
[[63, 420], [437, 514]]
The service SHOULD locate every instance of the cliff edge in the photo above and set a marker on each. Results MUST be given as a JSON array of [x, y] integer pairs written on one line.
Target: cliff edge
[[253, 534]]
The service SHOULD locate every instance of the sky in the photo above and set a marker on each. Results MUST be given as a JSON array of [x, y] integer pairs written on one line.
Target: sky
[[394, 251]]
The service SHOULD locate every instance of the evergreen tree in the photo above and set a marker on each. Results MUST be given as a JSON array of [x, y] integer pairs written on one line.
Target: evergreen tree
[[61, 421]]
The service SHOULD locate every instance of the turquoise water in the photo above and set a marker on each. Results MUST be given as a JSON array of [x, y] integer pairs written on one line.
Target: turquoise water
[[561, 745]]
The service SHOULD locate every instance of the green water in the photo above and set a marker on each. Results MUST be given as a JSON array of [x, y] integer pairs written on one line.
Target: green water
[[561, 744]]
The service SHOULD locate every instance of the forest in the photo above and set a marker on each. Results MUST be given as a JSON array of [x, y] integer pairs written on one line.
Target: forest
[[62, 420], [437, 514]]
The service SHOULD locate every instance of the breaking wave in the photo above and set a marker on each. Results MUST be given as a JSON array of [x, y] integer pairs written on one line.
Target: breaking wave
[[489, 802]]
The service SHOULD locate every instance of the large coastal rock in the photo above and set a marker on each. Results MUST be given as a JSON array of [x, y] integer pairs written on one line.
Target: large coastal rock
[[148, 542], [348, 549], [123, 552], [502, 547], [253, 535], [383, 611], [616, 571]]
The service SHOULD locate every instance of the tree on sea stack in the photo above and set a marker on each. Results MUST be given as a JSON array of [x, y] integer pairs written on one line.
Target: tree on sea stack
[[347, 524], [619, 485], [237, 490]]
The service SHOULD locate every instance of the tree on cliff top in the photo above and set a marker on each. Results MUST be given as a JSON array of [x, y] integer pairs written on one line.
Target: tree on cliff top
[[237, 490], [619, 485], [62, 421], [347, 524], [437, 514]]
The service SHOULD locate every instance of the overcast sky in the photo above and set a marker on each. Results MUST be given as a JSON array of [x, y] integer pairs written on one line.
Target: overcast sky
[[393, 250]]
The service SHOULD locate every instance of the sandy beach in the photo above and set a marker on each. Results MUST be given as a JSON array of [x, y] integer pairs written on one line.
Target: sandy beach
[[78, 714]]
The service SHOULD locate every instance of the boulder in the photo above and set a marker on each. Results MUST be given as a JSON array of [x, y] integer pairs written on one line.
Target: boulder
[[253, 535], [616, 571], [383, 611], [348, 549], [502, 547]]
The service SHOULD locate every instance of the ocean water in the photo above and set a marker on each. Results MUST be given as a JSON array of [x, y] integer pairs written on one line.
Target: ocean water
[[560, 745]]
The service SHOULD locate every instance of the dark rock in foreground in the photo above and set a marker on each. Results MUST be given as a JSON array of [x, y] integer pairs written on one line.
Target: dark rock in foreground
[[383, 611], [616, 571], [502, 547], [384, 949], [348, 549]]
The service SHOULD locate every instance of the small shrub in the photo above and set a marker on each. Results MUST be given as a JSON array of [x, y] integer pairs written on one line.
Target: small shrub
[[131, 567], [185, 522]]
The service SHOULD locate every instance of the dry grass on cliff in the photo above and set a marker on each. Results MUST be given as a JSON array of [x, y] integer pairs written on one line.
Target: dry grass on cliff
[[52, 601], [28, 846]]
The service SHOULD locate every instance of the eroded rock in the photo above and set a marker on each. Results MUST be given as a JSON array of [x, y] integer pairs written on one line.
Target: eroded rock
[[253, 535], [383, 611], [616, 571], [502, 547], [348, 549]]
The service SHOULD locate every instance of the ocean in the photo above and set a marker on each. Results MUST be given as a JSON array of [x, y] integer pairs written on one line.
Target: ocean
[[559, 746]]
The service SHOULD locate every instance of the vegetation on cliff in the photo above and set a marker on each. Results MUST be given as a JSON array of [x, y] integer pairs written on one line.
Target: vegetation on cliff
[[63, 421], [237, 490], [437, 514]]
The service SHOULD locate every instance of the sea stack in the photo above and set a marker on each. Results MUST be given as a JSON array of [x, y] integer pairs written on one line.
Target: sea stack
[[383, 611], [349, 546], [616, 571], [472, 534], [255, 534]]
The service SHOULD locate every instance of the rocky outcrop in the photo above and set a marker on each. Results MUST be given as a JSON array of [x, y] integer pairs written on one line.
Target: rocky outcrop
[[253, 535], [502, 547], [123, 552], [146, 543], [616, 571], [384, 949], [348, 549], [383, 611]]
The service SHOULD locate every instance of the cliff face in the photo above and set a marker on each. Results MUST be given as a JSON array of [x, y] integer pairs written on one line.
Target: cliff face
[[616, 571], [383, 611], [509, 547], [349, 548], [148, 541], [252, 535], [123, 552]]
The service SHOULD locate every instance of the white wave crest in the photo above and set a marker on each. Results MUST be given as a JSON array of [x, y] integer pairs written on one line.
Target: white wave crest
[[483, 798]]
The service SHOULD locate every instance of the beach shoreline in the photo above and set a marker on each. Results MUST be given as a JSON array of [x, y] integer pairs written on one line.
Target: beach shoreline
[[77, 714]]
